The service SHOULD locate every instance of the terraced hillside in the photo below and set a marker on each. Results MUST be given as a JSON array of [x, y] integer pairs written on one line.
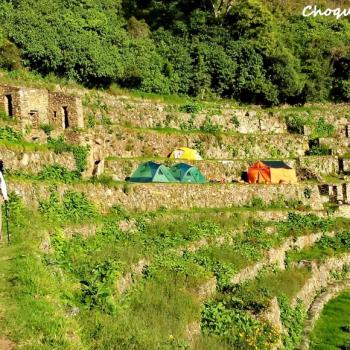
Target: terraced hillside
[[100, 263]]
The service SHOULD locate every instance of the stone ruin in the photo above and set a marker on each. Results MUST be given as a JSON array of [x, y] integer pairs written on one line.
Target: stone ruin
[[34, 107]]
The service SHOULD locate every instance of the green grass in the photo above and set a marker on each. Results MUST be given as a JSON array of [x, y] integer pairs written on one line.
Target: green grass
[[33, 316], [330, 332], [326, 247], [279, 283], [32, 79], [82, 273]]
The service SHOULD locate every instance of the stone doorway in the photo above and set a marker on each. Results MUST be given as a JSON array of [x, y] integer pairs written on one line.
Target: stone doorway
[[34, 118], [65, 117], [8, 105]]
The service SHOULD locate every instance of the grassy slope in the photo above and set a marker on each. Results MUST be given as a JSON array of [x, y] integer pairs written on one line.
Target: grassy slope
[[329, 333]]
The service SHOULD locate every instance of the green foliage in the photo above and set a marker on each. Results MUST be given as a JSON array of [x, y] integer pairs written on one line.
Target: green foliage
[[8, 134], [319, 127], [58, 145], [332, 328], [310, 222], [209, 126], [47, 128], [238, 329], [97, 287], [252, 51], [80, 153], [58, 173], [319, 150], [296, 123], [73, 207], [293, 321], [323, 129], [324, 247], [192, 107], [15, 210], [10, 58]]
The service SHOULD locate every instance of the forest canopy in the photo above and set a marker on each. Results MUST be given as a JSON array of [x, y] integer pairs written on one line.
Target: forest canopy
[[253, 51]]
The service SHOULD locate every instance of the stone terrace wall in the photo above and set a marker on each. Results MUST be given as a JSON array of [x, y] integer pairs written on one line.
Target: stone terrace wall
[[151, 114], [148, 197], [339, 146], [130, 143], [321, 165], [33, 162], [229, 170]]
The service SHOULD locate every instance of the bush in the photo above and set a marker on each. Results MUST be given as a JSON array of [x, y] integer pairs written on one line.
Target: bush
[[192, 107], [73, 207], [80, 153], [295, 123], [209, 126], [293, 320], [8, 134], [47, 128], [59, 173]]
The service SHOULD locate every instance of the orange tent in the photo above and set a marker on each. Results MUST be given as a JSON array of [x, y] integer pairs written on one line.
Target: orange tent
[[274, 172]]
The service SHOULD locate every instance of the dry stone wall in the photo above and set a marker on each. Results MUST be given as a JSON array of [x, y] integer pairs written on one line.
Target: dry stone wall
[[228, 170], [146, 197], [33, 162], [321, 165], [339, 146], [317, 307], [152, 114], [128, 143], [321, 277]]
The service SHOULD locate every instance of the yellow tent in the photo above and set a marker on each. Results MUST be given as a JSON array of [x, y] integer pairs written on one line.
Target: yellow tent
[[185, 153]]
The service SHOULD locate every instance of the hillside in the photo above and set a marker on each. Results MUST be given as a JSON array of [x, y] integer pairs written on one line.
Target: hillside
[[251, 51], [100, 263]]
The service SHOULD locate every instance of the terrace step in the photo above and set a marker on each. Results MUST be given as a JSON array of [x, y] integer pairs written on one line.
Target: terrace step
[[317, 306], [141, 197]]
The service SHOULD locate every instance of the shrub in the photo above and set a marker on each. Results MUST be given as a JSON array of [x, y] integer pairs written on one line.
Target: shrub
[[47, 128], [191, 107], [293, 320], [236, 328], [80, 153], [73, 207], [209, 126], [59, 173], [8, 134], [295, 123]]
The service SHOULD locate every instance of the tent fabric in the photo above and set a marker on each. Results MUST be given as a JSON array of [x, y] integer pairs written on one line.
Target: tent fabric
[[152, 172], [274, 172], [276, 164], [185, 153], [187, 173]]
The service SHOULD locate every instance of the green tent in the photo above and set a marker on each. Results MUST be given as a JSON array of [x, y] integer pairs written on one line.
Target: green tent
[[187, 173], [152, 172]]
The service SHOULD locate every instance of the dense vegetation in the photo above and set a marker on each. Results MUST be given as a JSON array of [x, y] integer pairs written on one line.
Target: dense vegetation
[[250, 50]]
